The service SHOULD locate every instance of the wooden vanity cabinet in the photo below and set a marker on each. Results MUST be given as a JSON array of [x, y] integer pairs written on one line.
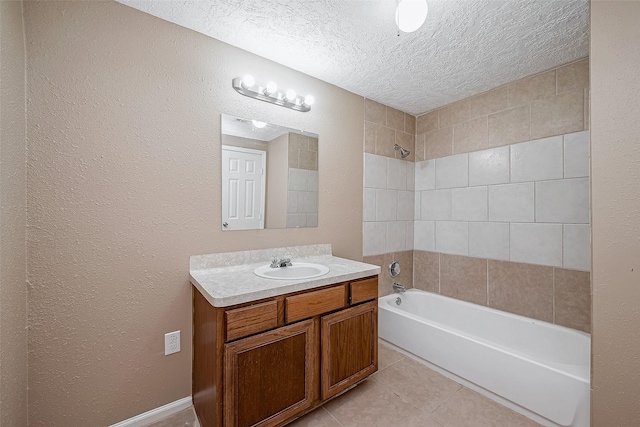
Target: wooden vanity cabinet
[[271, 377], [349, 347], [264, 363]]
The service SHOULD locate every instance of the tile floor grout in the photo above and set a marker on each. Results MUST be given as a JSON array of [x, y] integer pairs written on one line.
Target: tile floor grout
[[331, 415], [447, 399], [401, 397]]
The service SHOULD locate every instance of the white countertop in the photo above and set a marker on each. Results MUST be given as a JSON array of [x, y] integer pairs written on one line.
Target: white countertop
[[224, 285]]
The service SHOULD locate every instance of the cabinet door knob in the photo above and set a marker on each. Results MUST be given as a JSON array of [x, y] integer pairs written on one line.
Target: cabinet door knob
[[225, 224]]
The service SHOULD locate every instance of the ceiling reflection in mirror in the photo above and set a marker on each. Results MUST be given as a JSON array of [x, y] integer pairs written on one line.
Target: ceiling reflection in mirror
[[269, 175]]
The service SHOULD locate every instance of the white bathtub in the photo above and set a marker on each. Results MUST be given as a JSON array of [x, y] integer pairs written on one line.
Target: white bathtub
[[536, 368]]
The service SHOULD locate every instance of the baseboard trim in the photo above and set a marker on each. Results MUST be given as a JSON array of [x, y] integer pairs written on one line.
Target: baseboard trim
[[156, 414]]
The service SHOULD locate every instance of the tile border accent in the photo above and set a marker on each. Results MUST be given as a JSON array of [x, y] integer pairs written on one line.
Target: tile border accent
[[574, 313], [549, 103], [385, 126]]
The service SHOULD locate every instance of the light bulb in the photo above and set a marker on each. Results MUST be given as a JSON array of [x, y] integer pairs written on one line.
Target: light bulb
[[258, 124], [290, 95], [271, 88], [248, 80], [411, 14], [309, 100]]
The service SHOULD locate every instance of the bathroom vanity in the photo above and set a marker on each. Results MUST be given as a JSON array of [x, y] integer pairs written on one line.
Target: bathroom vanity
[[266, 351]]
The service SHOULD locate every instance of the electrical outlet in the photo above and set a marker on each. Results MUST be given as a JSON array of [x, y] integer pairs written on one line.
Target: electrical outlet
[[171, 342]]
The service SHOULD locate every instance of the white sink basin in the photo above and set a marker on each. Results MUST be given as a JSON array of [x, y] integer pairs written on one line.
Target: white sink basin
[[298, 270]]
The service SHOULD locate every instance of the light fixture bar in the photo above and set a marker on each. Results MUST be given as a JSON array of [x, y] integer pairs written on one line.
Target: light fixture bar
[[277, 97]]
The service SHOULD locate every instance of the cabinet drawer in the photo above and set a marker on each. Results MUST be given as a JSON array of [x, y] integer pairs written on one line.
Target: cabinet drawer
[[363, 290], [311, 304], [245, 321]]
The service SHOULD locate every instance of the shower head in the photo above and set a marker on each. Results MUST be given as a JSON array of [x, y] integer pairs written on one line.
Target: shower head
[[403, 153]]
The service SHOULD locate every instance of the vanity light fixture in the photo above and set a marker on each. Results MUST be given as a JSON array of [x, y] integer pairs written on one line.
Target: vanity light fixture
[[411, 14], [247, 86]]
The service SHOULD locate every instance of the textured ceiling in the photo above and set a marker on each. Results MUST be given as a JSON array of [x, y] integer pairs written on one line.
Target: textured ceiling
[[465, 47]]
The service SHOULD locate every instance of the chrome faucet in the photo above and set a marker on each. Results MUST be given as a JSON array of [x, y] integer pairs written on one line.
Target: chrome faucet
[[277, 263], [398, 288]]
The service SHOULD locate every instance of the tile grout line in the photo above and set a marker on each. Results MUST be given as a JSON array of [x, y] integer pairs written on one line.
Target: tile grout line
[[332, 416], [488, 283], [444, 402], [553, 297], [439, 271]]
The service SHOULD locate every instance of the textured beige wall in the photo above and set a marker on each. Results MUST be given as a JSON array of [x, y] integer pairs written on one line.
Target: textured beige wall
[[13, 284], [124, 185], [615, 186]]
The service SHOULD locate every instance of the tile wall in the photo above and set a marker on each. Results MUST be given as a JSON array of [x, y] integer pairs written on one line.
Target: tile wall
[[551, 103], [501, 197], [551, 294], [384, 127], [525, 202], [302, 196], [388, 205], [388, 192]]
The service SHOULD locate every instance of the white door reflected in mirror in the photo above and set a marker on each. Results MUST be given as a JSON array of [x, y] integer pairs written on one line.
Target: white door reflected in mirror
[[243, 188]]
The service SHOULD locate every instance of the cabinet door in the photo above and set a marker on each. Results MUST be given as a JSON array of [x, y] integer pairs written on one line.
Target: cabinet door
[[272, 376], [349, 347]]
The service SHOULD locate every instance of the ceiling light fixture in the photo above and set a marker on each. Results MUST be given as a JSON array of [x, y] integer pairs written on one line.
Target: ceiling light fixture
[[258, 124], [247, 86], [411, 14]]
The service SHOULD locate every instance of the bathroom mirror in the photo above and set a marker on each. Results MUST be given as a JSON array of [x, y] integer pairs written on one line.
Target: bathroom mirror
[[269, 175]]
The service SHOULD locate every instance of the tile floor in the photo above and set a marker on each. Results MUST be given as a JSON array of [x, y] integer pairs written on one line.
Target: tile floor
[[403, 393]]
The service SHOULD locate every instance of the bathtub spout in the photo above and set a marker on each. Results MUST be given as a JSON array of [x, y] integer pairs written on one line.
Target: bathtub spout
[[399, 288]]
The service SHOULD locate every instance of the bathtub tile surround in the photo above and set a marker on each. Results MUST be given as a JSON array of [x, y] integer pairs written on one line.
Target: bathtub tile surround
[[541, 216], [546, 293], [452, 171], [488, 167], [388, 205], [523, 289], [576, 245], [489, 240], [452, 237], [463, 278], [495, 179], [426, 271], [385, 126], [537, 160], [511, 202], [536, 243], [385, 281], [547, 104], [571, 299]]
